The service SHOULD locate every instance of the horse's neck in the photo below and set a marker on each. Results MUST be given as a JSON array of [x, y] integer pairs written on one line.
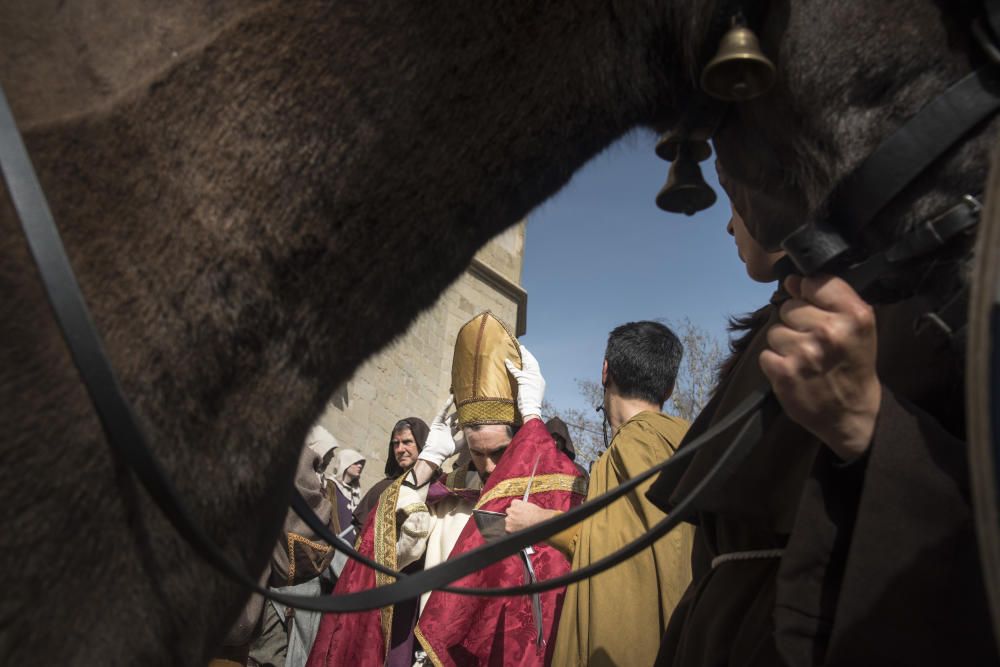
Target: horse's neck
[[263, 216], [788, 149], [262, 184], [65, 57]]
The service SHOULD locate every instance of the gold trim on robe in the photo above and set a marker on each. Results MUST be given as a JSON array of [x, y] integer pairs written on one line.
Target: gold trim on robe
[[385, 549], [516, 487], [426, 646]]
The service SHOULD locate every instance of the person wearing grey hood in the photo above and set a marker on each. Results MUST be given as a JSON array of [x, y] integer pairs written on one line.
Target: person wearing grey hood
[[298, 559], [343, 488]]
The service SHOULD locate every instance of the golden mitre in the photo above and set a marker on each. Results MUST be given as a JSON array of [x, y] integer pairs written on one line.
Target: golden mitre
[[485, 392]]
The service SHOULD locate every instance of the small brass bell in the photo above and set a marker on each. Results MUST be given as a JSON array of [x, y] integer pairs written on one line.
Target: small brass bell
[[739, 71], [686, 190], [667, 146]]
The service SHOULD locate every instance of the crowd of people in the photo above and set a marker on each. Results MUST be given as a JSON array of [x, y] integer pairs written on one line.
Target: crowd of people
[[845, 537]]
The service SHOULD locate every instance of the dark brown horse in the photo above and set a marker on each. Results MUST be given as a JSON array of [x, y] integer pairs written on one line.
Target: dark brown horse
[[257, 195]]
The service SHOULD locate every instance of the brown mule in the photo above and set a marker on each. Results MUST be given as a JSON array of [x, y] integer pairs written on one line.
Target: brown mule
[[257, 196]]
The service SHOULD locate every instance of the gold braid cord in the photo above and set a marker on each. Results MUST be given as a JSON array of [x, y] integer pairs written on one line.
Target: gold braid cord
[[508, 488], [319, 548], [411, 509], [516, 486], [426, 645], [385, 549], [487, 411]]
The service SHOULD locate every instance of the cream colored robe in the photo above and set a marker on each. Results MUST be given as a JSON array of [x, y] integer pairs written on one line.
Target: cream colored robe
[[432, 532], [618, 617]]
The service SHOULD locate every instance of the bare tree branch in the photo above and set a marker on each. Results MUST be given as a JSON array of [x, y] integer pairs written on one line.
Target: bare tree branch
[[699, 367]]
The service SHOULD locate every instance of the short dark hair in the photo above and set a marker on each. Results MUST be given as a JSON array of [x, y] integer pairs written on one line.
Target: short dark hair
[[643, 360]]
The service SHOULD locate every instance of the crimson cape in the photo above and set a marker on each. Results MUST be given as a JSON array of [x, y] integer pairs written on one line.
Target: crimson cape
[[456, 629]]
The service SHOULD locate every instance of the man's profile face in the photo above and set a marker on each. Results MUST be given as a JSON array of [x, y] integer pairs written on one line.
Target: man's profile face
[[486, 445], [404, 448]]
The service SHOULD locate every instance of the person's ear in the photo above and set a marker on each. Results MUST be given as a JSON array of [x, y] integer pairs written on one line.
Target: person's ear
[[604, 374]]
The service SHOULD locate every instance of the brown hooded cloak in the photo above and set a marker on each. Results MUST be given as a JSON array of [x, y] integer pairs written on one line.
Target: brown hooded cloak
[[393, 470], [872, 562]]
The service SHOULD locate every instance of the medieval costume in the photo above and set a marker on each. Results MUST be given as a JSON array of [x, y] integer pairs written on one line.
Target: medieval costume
[[597, 628], [392, 472], [425, 526], [344, 494], [324, 445], [296, 564], [801, 559], [564, 442]]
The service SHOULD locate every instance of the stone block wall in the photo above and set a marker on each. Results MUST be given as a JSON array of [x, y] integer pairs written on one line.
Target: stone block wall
[[411, 377]]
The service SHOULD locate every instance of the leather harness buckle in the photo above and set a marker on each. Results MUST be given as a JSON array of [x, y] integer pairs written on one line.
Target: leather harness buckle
[[936, 232]]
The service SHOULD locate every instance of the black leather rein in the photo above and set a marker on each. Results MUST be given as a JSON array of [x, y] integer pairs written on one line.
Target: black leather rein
[[951, 120], [127, 440]]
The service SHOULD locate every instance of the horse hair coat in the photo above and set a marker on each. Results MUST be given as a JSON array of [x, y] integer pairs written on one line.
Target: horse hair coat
[[244, 187]]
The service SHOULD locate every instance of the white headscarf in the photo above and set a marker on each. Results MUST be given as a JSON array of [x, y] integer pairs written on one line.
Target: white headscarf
[[321, 441], [342, 460]]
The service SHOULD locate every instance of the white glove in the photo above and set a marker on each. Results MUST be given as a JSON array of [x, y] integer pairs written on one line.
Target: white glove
[[530, 384], [440, 443]]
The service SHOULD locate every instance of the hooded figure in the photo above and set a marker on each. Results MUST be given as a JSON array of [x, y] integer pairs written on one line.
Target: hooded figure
[[350, 489], [418, 427], [297, 561], [322, 443], [560, 433]]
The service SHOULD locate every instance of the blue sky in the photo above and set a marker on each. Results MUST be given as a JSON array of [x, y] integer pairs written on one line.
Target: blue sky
[[600, 253]]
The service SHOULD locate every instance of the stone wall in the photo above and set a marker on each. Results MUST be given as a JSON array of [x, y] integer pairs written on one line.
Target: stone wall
[[411, 377]]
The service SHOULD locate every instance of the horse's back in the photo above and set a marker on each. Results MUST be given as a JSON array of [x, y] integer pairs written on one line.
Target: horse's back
[[65, 57]]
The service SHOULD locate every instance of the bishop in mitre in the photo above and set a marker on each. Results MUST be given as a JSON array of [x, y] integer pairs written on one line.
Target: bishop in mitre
[[424, 518]]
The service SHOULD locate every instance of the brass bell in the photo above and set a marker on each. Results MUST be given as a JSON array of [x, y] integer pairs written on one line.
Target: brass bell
[[666, 147], [739, 71], [686, 190]]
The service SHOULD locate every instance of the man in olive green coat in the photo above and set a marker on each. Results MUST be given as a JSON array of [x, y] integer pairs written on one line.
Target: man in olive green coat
[[617, 617]]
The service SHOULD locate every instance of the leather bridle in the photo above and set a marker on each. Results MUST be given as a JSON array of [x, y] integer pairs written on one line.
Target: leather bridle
[[813, 248]]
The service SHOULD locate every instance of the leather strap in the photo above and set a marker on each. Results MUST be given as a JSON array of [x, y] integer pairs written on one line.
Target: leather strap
[[121, 427], [971, 100], [894, 165], [440, 575], [912, 148], [918, 243], [814, 247], [765, 408], [127, 440]]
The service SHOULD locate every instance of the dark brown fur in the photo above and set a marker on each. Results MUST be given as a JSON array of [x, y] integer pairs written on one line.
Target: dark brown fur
[[253, 217]]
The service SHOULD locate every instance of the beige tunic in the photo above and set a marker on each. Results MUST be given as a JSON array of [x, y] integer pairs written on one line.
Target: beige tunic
[[431, 532], [617, 617]]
